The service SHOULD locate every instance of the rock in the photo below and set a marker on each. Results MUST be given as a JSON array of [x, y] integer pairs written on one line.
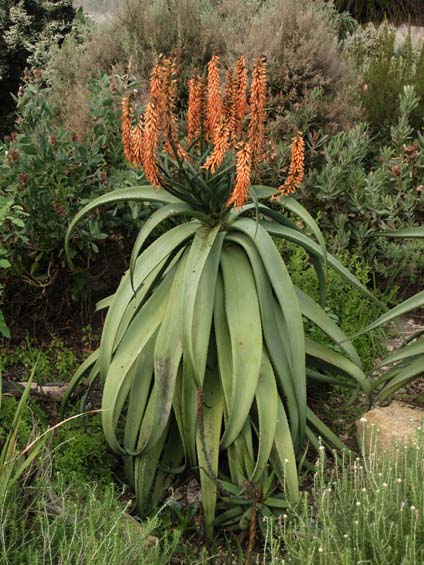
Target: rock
[[384, 428]]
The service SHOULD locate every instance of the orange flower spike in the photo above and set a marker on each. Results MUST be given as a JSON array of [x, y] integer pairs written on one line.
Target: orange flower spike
[[214, 102], [240, 99], [126, 128], [224, 131], [229, 104], [239, 194], [257, 109], [151, 140], [138, 143], [296, 170], [194, 112], [221, 145], [171, 121]]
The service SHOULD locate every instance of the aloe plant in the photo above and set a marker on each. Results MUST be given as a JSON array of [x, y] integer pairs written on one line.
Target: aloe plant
[[407, 363], [203, 359]]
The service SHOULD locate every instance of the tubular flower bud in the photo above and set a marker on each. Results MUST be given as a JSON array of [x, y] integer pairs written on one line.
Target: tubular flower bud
[[221, 145], [239, 194], [229, 105], [257, 109], [194, 112], [151, 139], [214, 103], [171, 115], [296, 170], [137, 143], [240, 99], [126, 128]]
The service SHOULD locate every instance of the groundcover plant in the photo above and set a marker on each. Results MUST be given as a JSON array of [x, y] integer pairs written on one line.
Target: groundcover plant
[[203, 360]]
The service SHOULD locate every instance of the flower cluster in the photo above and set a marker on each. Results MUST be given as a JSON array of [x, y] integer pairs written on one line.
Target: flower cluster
[[227, 117]]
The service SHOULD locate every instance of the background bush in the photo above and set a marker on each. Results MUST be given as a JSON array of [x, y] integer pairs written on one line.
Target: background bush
[[48, 172], [298, 61], [28, 31], [386, 64]]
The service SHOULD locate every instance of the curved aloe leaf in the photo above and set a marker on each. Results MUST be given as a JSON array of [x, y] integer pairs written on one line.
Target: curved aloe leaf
[[244, 323], [407, 232], [312, 247], [276, 348], [402, 377], [404, 353], [200, 249], [165, 212], [286, 296], [143, 193], [337, 362], [207, 441], [152, 258], [311, 310], [118, 379], [267, 406], [416, 301]]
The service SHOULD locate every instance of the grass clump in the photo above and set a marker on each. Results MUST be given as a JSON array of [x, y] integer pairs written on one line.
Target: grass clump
[[80, 526]]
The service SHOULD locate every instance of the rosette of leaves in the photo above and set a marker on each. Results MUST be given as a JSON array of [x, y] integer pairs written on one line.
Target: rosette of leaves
[[407, 363], [203, 359]]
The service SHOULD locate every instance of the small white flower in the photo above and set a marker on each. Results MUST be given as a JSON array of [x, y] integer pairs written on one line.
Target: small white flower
[[413, 508], [345, 536], [358, 503], [356, 522], [285, 517], [321, 448], [364, 490], [385, 485], [398, 480], [364, 420], [320, 549]]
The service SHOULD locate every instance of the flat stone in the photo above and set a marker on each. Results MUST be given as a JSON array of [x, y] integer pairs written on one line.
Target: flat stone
[[382, 429]]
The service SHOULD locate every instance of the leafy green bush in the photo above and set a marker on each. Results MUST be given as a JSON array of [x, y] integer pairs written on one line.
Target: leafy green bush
[[81, 454], [53, 361], [12, 227], [385, 67], [348, 307], [28, 30], [359, 188], [48, 172]]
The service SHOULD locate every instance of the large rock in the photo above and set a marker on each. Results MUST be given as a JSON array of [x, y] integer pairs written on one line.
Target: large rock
[[384, 428]]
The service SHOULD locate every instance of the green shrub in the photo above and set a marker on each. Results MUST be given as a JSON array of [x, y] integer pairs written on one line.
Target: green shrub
[[348, 307], [12, 229], [81, 454], [48, 172], [386, 66], [359, 188], [53, 361], [28, 30]]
